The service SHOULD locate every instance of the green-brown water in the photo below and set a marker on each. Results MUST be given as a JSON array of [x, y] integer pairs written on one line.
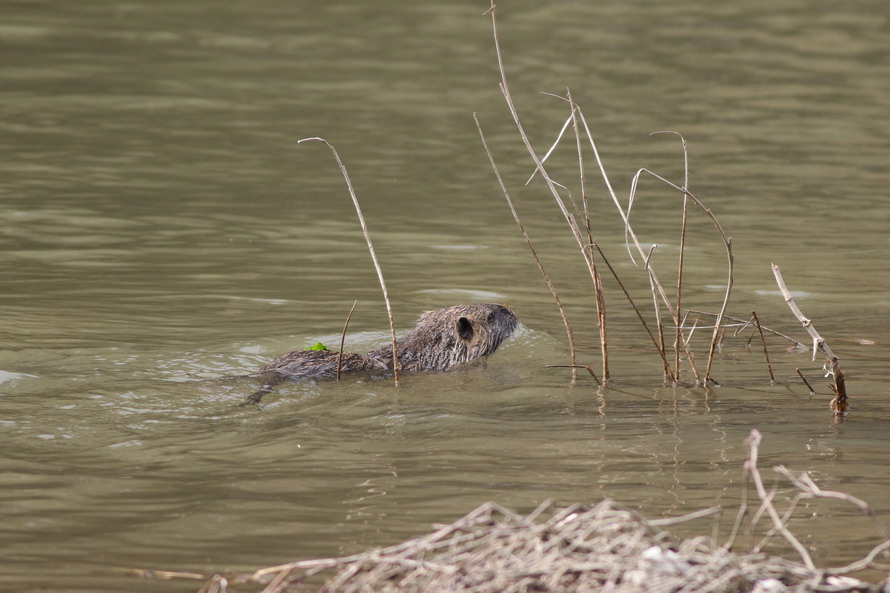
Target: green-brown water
[[162, 231]]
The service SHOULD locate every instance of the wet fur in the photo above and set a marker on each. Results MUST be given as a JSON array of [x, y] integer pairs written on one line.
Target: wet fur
[[441, 340]]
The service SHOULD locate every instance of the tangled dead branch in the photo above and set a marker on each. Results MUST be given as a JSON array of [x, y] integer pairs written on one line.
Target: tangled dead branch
[[839, 404], [580, 549]]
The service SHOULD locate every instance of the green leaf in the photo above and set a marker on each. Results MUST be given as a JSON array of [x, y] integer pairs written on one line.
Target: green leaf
[[316, 346]]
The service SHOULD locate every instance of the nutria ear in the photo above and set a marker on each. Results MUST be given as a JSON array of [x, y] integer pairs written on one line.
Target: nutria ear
[[464, 328]]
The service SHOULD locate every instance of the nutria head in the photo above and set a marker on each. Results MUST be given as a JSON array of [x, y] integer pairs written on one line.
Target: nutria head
[[440, 340], [450, 336]]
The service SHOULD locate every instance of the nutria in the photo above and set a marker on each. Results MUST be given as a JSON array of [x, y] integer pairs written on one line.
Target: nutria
[[440, 341]]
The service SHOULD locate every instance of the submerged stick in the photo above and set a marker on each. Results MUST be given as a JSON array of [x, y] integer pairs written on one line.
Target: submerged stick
[[577, 366], [361, 218], [832, 365], [805, 382], [343, 340], [570, 335]]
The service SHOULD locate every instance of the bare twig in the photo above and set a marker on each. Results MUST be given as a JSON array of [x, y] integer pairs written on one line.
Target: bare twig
[[570, 336], [809, 489], [727, 242], [754, 440], [867, 562], [361, 218], [597, 280], [553, 146], [832, 365]]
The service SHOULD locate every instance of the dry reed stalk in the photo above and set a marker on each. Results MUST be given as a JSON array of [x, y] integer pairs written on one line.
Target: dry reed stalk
[[572, 222], [628, 229], [741, 328], [584, 214], [769, 366], [361, 218], [655, 285], [693, 328], [631, 235], [539, 165], [570, 336], [163, 575], [867, 562], [633, 306], [683, 223], [562, 131], [727, 243], [505, 90], [658, 323], [794, 343], [597, 280], [590, 258], [839, 404], [343, 340], [690, 357]]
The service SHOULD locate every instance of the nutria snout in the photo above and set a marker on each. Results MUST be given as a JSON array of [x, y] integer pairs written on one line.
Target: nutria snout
[[441, 340]]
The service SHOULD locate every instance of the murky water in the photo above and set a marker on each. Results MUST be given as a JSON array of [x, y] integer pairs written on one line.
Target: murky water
[[164, 234]]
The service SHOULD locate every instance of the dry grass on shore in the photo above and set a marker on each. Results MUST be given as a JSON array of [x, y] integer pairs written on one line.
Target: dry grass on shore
[[557, 550], [581, 549]]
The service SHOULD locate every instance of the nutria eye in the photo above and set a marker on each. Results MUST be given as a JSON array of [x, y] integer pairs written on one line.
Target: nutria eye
[[464, 328]]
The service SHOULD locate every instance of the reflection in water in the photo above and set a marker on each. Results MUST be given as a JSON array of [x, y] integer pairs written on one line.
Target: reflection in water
[[163, 237]]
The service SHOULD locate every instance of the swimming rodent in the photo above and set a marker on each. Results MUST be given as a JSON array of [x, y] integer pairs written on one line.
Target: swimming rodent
[[441, 340]]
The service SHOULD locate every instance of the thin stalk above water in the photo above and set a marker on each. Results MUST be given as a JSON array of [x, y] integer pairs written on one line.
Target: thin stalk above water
[[361, 218]]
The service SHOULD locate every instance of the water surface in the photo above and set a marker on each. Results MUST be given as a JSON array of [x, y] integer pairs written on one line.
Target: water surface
[[163, 234]]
